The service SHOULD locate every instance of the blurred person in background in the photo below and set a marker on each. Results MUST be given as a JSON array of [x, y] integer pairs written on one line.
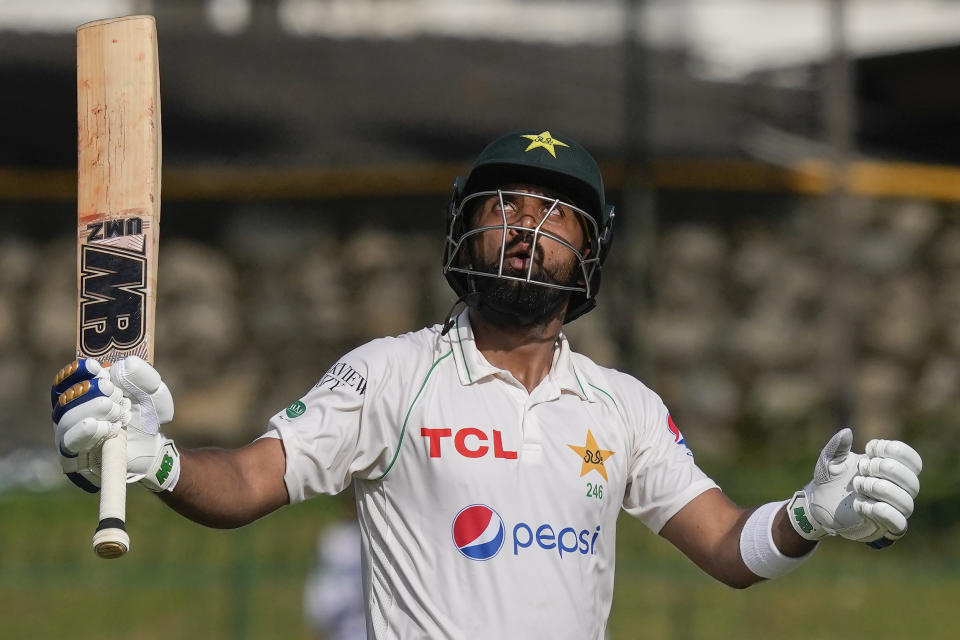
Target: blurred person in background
[[333, 593], [490, 461]]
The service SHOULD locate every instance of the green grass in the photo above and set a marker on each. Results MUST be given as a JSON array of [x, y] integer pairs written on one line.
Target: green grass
[[845, 591], [184, 581], [180, 580]]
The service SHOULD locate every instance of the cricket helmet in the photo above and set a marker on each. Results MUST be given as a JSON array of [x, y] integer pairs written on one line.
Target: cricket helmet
[[553, 162]]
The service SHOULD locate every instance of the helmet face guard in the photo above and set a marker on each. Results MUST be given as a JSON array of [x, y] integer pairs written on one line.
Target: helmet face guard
[[543, 161], [458, 257]]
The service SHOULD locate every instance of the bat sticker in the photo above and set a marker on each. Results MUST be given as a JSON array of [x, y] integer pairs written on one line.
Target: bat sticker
[[113, 296]]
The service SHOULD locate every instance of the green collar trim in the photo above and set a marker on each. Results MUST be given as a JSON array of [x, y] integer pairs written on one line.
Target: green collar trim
[[604, 393], [579, 384]]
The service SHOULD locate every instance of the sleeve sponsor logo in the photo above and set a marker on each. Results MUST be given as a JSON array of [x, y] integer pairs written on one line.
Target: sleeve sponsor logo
[[296, 410], [677, 436], [343, 375]]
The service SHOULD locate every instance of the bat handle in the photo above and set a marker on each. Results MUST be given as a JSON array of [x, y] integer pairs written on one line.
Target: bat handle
[[110, 540]]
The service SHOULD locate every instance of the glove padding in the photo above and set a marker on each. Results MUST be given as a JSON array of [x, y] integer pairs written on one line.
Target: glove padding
[[91, 403], [864, 497]]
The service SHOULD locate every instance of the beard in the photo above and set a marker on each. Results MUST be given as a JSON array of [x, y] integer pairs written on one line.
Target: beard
[[511, 303]]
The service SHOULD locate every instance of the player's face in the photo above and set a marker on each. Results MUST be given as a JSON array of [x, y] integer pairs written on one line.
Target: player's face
[[538, 237], [529, 208]]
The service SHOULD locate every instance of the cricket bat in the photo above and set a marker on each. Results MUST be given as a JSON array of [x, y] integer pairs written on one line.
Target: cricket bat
[[118, 220]]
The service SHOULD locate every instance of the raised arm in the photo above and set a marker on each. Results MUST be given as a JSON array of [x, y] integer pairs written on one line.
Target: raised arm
[[215, 487], [230, 488]]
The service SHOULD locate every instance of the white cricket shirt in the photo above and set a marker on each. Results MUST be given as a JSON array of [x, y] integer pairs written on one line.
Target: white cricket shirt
[[486, 511]]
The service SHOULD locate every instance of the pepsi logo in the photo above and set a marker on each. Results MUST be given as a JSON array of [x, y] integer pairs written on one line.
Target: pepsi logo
[[478, 532]]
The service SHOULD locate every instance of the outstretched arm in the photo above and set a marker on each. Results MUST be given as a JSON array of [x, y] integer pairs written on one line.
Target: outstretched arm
[[708, 530], [230, 488], [864, 497]]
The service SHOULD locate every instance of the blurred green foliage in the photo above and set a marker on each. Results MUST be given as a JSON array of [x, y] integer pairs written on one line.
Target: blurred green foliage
[[181, 580]]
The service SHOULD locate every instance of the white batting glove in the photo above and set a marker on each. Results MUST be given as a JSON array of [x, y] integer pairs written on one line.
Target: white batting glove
[[91, 403], [864, 497]]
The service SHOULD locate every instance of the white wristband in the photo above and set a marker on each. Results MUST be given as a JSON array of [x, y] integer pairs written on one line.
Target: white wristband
[[757, 548]]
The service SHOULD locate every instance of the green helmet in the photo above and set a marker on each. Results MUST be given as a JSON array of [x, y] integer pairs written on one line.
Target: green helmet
[[542, 159]]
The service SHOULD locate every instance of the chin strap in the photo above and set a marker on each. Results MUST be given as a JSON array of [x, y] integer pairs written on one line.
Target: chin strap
[[451, 316]]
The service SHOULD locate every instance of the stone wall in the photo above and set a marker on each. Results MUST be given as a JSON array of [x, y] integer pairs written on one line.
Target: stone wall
[[737, 328], [250, 316]]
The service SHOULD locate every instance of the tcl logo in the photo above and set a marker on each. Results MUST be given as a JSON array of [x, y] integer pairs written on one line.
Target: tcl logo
[[469, 442]]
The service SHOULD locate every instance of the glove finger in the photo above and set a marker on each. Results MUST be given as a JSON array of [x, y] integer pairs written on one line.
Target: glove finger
[[892, 470], [77, 371], [142, 384], [883, 514], [885, 491], [82, 393], [900, 451], [838, 446], [87, 434], [90, 404], [833, 455], [71, 374], [134, 375]]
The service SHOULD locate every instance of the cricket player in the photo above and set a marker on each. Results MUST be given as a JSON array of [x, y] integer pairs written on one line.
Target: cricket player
[[489, 459]]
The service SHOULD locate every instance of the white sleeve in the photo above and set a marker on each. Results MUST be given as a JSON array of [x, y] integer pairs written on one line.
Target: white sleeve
[[662, 477], [338, 430]]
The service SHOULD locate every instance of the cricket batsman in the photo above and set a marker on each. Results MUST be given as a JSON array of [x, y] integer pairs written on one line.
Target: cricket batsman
[[489, 459]]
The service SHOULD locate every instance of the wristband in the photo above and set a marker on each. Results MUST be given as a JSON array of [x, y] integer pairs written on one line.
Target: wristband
[[798, 512], [757, 548]]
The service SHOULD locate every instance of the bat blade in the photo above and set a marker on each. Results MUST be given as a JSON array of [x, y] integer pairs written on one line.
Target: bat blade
[[118, 220]]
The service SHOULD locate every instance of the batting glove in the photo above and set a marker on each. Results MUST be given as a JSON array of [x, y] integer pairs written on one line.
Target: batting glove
[[864, 497], [92, 402]]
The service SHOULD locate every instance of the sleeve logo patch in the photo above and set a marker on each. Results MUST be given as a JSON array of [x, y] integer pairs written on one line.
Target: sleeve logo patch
[[677, 437], [343, 375], [296, 410]]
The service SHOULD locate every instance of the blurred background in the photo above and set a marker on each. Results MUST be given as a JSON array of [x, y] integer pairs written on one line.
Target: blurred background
[[786, 260]]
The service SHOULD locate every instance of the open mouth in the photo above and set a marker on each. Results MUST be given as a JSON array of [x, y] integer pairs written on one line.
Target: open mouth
[[519, 258]]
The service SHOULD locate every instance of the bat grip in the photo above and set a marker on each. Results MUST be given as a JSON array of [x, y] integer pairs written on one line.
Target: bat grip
[[110, 540]]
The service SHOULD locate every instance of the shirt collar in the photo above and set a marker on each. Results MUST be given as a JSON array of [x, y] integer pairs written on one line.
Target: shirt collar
[[472, 366]]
